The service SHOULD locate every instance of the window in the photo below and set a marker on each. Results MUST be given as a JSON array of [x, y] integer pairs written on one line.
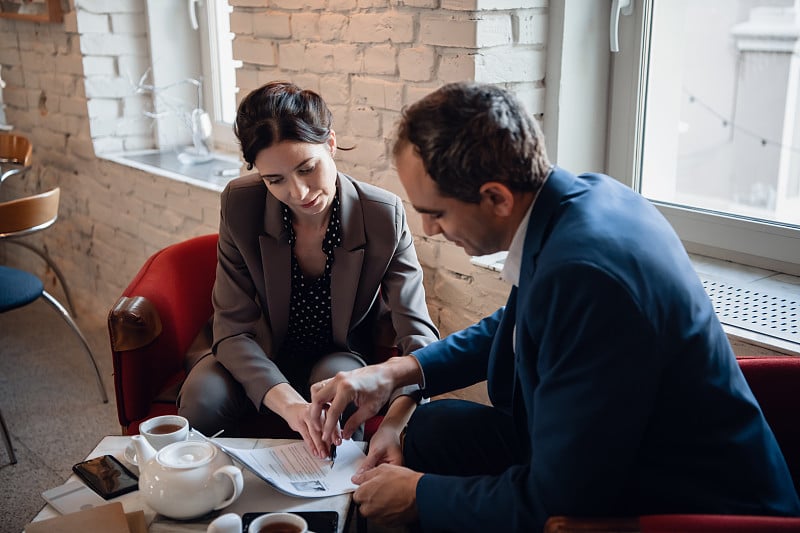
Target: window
[[705, 122], [192, 71]]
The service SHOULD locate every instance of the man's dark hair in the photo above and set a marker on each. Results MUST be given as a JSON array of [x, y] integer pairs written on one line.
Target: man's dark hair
[[280, 111], [468, 134]]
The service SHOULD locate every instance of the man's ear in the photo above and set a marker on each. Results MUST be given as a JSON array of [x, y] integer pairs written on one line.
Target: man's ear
[[497, 197]]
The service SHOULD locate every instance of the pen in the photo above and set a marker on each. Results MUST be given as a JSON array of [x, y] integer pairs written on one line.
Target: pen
[[333, 448]]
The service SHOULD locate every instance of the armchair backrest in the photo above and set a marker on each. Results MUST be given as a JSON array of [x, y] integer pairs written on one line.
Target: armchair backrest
[[163, 308], [775, 381]]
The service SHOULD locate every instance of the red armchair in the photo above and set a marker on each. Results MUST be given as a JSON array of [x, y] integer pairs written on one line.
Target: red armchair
[[154, 324], [774, 381]]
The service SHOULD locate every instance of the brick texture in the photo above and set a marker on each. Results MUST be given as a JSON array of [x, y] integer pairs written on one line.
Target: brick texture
[[71, 89]]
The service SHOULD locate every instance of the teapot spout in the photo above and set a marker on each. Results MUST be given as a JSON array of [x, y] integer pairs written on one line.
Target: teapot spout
[[144, 451]]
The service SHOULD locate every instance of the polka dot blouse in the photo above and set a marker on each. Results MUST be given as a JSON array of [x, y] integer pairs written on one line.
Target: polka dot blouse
[[310, 331]]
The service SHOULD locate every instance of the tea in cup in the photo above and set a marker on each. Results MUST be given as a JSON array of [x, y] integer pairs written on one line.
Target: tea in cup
[[278, 523], [163, 430]]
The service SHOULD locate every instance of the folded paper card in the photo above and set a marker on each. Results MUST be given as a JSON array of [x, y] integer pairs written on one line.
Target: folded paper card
[[109, 518]]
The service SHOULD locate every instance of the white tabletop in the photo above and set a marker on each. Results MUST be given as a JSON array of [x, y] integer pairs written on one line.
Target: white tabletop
[[257, 496]]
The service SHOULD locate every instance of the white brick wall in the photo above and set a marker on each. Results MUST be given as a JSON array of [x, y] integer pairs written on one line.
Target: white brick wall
[[368, 58]]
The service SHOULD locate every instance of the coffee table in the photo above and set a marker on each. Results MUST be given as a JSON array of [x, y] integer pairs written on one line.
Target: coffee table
[[257, 496]]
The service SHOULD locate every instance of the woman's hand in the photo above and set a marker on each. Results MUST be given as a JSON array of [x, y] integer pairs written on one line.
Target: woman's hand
[[287, 402], [297, 415]]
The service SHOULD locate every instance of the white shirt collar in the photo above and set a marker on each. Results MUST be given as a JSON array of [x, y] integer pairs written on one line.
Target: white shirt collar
[[513, 262]]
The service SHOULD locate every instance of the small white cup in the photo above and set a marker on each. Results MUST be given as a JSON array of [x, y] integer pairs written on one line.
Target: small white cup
[[162, 430], [292, 523], [227, 523]]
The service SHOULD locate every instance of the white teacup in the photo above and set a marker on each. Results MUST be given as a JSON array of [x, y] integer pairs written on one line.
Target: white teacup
[[163, 430], [227, 523], [278, 523]]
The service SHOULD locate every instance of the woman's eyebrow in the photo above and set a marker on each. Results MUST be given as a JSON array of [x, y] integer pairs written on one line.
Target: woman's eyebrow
[[302, 163]]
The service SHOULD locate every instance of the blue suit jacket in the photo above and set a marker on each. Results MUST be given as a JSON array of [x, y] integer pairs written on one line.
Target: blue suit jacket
[[623, 387]]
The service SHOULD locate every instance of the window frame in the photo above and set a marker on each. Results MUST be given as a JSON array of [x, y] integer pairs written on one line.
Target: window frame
[[614, 128], [188, 57], [213, 79]]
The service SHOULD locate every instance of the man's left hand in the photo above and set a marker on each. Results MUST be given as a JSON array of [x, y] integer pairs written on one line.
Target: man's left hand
[[387, 494]]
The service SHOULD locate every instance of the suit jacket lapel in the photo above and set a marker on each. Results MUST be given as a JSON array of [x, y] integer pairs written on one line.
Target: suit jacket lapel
[[557, 185], [277, 260], [347, 261], [501, 372]]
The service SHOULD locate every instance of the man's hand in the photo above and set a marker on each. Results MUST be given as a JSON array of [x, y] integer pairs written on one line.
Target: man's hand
[[367, 388], [387, 494], [384, 448]]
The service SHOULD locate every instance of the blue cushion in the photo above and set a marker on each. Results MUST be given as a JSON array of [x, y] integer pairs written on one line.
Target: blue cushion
[[18, 288]]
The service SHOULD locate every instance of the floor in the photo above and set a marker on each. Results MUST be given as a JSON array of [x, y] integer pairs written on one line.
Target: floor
[[50, 403]]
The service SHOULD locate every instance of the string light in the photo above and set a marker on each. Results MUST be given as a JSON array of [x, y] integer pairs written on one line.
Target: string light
[[728, 123]]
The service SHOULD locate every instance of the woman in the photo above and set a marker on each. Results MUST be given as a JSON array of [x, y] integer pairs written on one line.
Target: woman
[[308, 261]]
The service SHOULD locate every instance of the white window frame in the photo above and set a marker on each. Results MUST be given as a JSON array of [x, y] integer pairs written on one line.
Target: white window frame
[[218, 85], [593, 118]]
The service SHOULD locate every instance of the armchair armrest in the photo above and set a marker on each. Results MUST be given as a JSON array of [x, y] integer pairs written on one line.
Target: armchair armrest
[[133, 323]]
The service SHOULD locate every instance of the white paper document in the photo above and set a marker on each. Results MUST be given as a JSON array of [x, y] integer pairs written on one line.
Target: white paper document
[[292, 469]]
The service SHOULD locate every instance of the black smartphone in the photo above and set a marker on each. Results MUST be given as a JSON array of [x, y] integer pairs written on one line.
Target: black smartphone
[[106, 476]]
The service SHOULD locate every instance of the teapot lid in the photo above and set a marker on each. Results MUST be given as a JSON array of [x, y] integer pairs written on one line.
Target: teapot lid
[[186, 454]]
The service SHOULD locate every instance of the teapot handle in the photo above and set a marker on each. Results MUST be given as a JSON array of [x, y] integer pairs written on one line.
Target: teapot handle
[[235, 475]]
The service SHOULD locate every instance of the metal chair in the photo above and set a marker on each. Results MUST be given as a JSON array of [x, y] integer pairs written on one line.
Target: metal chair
[[16, 154], [19, 288], [16, 222]]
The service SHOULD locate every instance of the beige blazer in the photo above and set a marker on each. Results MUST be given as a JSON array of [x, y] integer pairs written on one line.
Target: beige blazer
[[252, 290]]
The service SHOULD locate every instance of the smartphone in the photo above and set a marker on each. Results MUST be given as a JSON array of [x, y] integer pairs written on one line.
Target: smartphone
[[106, 476]]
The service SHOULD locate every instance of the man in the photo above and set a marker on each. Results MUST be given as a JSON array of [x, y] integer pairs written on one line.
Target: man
[[614, 389]]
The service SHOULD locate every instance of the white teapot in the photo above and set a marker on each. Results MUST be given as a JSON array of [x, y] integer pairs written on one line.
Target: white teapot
[[186, 479]]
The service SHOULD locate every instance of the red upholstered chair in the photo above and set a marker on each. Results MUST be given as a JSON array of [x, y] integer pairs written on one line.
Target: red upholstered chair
[[153, 326], [774, 381]]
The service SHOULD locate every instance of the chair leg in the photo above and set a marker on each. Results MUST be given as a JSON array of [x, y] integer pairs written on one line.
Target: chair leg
[[68, 319], [7, 440], [47, 259]]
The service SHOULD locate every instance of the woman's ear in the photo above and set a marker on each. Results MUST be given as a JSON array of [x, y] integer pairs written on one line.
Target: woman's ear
[[497, 197], [332, 143]]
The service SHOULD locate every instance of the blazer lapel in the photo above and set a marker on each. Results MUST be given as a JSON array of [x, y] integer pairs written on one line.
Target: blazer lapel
[[277, 260], [347, 261], [555, 188], [501, 372]]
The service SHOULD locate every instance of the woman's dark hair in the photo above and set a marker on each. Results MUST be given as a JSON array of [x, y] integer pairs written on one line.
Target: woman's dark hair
[[468, 134], [280, 111]]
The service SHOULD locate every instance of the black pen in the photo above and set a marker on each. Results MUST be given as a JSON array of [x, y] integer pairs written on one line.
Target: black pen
[[333, 448]]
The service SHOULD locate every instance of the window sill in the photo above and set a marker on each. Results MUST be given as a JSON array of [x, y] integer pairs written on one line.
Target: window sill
[[755, 306], [212, 175]]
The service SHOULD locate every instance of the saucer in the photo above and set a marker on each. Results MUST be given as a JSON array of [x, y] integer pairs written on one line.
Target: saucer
[[130, 454]]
